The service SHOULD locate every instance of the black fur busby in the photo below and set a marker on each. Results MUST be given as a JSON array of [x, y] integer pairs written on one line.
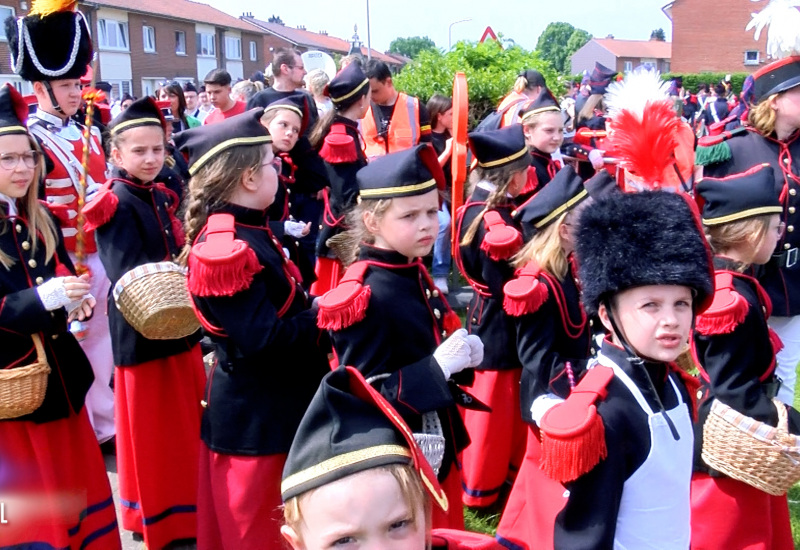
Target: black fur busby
[[58, 44], [638, 239]]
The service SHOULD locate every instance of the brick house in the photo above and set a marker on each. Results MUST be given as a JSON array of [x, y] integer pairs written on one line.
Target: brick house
[[622, 55], [141, 44], [714, 43]]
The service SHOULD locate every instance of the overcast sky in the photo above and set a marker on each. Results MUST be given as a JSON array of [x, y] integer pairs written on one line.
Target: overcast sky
[[521, 20]]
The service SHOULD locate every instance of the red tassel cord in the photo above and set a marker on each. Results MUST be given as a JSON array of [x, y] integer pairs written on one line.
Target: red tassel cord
[[222, 276], [100, 211]]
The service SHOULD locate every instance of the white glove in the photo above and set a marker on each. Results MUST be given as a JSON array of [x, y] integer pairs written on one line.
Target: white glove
[[294, 229], [475, 350], [596, 158], [53, 294], [454, 354], [75, 304], [91, 192]]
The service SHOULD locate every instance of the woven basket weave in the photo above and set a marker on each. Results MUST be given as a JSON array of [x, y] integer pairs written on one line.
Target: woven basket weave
[[22, 389], [155, 301], [750, 451]]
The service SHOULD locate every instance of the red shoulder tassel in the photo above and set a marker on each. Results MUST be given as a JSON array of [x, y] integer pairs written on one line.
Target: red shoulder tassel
[[222, 276], [343, 306], [451, 322], [526, 293], [100, 211], [727, 311], [339, 146], [501, 241], [573, 434]]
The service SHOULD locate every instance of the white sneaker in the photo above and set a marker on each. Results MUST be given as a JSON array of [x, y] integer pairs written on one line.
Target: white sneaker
[[441, 284]]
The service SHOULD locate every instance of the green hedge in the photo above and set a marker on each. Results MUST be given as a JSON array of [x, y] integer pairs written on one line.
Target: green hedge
[[692, 81]]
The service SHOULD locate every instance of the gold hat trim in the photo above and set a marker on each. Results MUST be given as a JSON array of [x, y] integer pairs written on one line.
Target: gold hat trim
[[257, 140], [561, 209], [743, 214], [504, 160], [399, 190], [351, 93]]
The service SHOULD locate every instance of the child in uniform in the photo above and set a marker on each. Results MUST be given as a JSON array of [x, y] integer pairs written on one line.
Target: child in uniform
[[269, 355], [736, 350], [543, 125], [52, 475], [388, 319], [158, 383], [489, 238]]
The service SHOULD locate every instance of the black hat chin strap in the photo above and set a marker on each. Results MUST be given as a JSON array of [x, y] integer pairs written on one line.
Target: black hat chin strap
[[635, 360], [49, 89]]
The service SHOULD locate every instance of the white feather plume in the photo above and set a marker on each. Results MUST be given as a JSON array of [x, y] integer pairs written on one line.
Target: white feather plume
[[637, 89], [782, 19]]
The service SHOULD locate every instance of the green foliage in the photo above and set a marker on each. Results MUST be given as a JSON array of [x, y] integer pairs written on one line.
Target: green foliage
[[411, 46], [692, 81], [490, 70], [659, 35], [558, 42]]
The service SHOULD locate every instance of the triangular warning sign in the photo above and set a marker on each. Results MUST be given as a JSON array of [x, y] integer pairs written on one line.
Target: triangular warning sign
[[488, 33]]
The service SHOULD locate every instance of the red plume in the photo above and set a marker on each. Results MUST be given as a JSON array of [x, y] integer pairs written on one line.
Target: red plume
[[646, 147]]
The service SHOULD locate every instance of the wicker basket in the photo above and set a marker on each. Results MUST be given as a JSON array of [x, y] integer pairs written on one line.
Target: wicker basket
[[22, 389], [155, 301], [750, 451]]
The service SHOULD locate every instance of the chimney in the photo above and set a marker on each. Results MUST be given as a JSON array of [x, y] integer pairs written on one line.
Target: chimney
[[301, 27], [610, 36], [323, 33]]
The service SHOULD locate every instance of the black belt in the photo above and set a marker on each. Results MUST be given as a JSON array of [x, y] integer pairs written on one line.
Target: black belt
[[771, 385], [787, 258]]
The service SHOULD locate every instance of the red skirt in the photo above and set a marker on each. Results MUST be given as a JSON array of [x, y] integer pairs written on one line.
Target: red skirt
[[329, 272], [239, 501], [454, 517], [54, 487], [158, 435], [497, 446], [528, 521], [727, 513]]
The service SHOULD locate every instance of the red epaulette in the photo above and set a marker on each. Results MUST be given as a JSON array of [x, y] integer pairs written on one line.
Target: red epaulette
[[222, 265], [525, 293], [573, 434], [707, 141], [339, 146], [346, 304], [501, 241], [728, 309], [101, 209], [59, 211]]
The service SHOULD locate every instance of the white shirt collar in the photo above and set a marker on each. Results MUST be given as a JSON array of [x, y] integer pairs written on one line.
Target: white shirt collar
[[52, 119]]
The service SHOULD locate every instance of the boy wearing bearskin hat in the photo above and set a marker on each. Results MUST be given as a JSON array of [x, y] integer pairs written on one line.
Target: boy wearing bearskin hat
[[52, 48]]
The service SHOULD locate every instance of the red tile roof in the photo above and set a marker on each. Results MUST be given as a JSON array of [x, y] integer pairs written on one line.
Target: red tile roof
[[637, 48], [181, 9]]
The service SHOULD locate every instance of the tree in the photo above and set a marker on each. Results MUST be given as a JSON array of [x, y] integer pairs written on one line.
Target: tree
[[275, 19], [558, 42], [659, 35], [411, 46]]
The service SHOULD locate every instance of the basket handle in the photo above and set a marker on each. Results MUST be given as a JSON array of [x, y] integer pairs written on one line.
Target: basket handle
[[783, 416], [37, 343]]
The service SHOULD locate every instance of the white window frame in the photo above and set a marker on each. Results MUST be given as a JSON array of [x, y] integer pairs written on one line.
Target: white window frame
[[3, 16], [755, 61], [105, 28], [628, 66], [233, 47], [148, 35], [177, 43], [202, 39], [253, 51]]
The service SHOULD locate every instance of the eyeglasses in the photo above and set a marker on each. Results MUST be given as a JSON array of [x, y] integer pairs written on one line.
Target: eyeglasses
[[301, 67], [276, 163], [9, 161], [780, 229]]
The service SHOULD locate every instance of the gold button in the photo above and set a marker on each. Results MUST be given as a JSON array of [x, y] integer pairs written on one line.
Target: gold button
[[32, 263], [204, 403], [435, 293], [54, 337], [320, 227], [790, 228], [166, 232], [591, 322], [18, 227], [428, 293], [166, 205], [474, 321], [787, 246], [791, 210], [437, 313], [289, 205], [786, 160], [288, 191], [39, 280], [793, 192], [444, 334], [26, 245], [699, 394]]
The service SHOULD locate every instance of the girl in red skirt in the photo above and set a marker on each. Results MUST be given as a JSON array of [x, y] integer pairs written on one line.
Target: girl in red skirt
[[489, 238], [52, 476], [158, 383], [736, 350], [269, 355]]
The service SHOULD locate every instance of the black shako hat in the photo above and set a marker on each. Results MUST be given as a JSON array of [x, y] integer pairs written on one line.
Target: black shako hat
[[13, 111], [348, 428], [561, 194], [297, 103], [348, 85], [776, 77], [533, 77], [203, 143], [637, 239], [542, 104], [601, 77], [52, 42], [189, 87], [739, 196], [142, 112], [406, 173], [497, 148]]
